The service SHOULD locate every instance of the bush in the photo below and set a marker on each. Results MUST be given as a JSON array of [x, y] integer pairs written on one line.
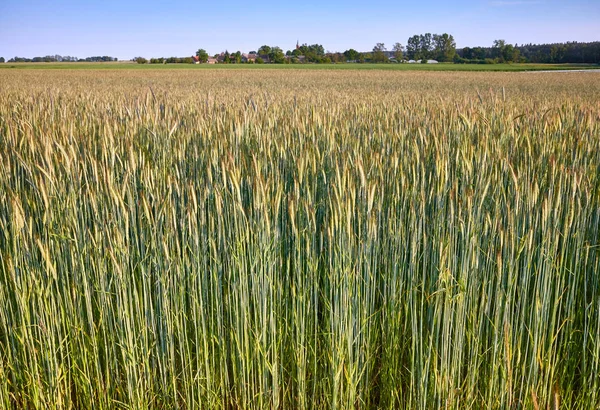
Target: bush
[[259, 60], [459, 60], [141, 60]]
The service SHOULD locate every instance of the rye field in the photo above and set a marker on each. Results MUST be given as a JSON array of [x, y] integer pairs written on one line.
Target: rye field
[[299, 239]]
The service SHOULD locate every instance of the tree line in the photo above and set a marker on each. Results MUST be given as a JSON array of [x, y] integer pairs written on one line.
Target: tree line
[[59, 59], [440, 47], [556, 53]]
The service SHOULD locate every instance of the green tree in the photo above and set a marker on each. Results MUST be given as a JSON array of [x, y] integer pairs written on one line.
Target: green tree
[[425, 46], [413, 47], [507, 52], [276, 55], [351, 55], [378, 55], [312, 53], [557, 53], [479, 53], [398, 51], [264, 50], [445, 47], [202, 55], [467, 53], [1, 59], [141, 60], [498, 49]]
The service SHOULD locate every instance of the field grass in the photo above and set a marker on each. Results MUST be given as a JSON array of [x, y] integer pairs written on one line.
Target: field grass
[[323, 239], [262, 67]]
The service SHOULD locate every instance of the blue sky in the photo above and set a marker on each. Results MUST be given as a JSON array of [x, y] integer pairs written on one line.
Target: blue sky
[[155, 28]]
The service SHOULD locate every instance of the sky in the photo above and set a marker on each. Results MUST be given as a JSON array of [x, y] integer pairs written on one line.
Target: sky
[[160, 28]]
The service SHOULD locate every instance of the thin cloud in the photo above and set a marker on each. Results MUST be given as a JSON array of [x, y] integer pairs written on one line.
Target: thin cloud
[[514, 3]]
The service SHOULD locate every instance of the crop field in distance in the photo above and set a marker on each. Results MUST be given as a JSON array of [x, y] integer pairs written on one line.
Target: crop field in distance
[[299, 239]]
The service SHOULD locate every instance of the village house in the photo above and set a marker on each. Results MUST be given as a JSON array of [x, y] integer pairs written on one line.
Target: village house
[[249, 57], [210, 60]]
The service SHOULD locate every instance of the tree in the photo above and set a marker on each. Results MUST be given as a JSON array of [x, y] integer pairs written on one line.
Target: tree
[[202, 55], [498, 49], [557, 53], [412, 47], [398, 49], [351, 55], [276, 55], [313, 53], [378, 53], [264, 50], [140, 60], [507, 52], [336, 57], [237, 57], [467, 53], [445, 47], [1, 59], [425, 46], [478, 53]]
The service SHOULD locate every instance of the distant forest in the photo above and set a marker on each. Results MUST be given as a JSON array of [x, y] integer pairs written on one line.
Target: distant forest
[[60, 59], [557, 53]]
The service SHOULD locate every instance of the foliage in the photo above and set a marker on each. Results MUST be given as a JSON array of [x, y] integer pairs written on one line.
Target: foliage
[[202, 55], [444, 47], [276, 55], [312, 53], [63, 59], [264, 50], [351, 54], [413, 48], [441, 47], [172, 60], [559, 53], [398, 51], [504, 52], [378, 55]]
